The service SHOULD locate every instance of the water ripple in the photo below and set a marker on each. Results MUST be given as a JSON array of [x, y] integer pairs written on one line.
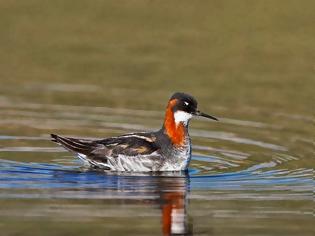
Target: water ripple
[[36, 176]]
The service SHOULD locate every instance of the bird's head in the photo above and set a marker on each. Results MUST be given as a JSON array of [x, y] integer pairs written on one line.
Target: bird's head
[[184, 107]]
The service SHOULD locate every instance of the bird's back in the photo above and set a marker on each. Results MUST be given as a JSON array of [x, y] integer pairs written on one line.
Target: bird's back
[[131, 152]]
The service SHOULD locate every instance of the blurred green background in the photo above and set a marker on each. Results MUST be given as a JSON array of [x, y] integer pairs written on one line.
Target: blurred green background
[[235, 53]]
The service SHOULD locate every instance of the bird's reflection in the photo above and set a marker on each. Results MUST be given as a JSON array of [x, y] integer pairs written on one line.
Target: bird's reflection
[[166, 191], [173, 203], [170, 192]]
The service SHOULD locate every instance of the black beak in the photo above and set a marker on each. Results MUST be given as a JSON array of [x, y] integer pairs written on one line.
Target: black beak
[[199, 113]]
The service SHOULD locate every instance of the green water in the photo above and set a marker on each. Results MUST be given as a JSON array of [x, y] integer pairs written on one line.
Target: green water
[[103, 68]]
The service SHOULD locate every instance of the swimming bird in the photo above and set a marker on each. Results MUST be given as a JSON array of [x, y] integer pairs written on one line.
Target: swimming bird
[[168, 149]]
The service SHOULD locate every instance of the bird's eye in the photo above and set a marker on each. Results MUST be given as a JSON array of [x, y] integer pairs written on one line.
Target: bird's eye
[[186, 103]]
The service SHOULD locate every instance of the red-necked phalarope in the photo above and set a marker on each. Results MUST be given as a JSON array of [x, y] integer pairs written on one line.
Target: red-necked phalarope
[[168, 149]]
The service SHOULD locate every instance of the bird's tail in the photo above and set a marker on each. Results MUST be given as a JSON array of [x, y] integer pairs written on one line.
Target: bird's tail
[[77, 146]]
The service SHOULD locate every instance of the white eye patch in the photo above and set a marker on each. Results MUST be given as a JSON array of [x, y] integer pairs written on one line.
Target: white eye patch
[[186, 103], [181, 116]]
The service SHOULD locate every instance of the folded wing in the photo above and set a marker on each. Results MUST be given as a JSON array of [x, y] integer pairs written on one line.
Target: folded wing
[[128, 145]]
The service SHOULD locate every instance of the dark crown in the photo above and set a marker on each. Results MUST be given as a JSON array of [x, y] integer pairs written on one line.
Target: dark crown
[[185, 102]]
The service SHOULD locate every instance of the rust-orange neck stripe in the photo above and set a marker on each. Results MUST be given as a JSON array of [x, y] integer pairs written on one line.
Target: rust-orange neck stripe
[[175, 132]]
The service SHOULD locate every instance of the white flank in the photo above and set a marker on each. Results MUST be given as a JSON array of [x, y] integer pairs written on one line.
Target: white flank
[[181, 116]]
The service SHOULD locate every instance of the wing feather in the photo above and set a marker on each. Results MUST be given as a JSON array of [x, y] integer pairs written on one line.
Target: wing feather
[[128, 145]]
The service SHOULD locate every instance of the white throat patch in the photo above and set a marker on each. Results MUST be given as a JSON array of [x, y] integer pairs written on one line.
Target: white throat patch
[[181, 116]]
